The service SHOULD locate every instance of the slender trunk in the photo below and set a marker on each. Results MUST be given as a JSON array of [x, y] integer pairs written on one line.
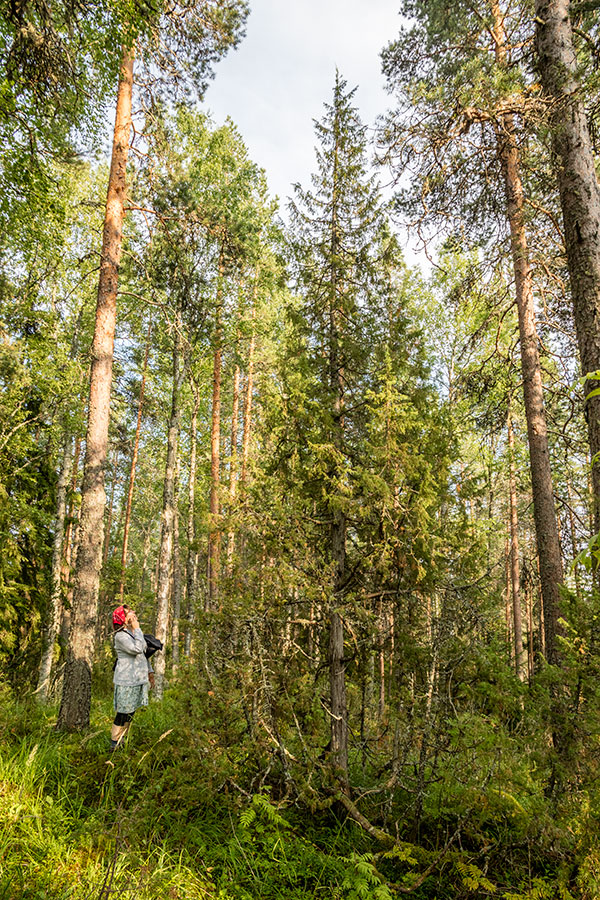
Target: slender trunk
[[432, 671], [233, 463], [541, 618], [337, 687], [177, 585], [134, 457], [520, 660], [530, 629], [154, 574], [70, 553], [507, 604], [214, 538], [248, 394], [191, 567], [590, 493], [169, 511], [579, 198], [573, 531], [548, 545], [77, 686], [71, 515], [54, 612], [337, 665], [145, 555], [108, 526], [383, 624]]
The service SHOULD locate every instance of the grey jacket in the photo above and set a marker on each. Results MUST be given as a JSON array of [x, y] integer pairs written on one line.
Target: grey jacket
[[132, 666]]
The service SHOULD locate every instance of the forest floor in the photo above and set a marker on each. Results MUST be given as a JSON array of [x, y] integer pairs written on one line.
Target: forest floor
[[183, 813], [79, 822]]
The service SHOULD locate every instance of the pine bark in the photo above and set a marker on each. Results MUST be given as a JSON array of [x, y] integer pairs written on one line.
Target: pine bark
[[546, 529], [548, 544], [169, 511], [579, 197], [77, 686]]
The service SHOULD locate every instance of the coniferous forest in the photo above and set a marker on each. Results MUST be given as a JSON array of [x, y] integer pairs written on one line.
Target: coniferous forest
[[357, 500]]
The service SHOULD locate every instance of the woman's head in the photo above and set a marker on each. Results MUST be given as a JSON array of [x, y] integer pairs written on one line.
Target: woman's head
[[119, 616]]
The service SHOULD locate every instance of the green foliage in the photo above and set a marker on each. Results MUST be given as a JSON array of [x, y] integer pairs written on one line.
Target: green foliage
[[379, 403], [196, 805], [45, 301], [541, 889], [363, 881]]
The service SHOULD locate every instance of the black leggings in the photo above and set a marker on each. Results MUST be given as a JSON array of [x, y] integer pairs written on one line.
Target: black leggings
[[123, 718]]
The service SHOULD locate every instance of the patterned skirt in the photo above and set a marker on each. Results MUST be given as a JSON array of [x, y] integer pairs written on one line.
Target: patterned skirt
[[129, 697]]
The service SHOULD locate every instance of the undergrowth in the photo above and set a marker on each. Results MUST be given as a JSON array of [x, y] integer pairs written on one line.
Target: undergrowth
[[195, 807]]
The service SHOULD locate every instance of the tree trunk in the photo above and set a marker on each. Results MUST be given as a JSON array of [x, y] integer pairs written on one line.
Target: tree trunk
[[337, 688], [520, 659], [233, 464], [530, 630], [145, 555], [573, 531], [177, 586], [337, 665], [54, 612], [510, 647], [548, 545], [541, 618], [111, 502], [70, 553], [169, 511], [191, 568], [579, 197], [248, 395], [134, 456], [214, 537], [77, 686], [382, 626]]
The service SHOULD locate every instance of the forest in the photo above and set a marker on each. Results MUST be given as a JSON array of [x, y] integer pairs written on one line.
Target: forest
[[357, 500]]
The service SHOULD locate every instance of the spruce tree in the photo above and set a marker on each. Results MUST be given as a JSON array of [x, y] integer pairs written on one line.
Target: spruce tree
[[334, 226]]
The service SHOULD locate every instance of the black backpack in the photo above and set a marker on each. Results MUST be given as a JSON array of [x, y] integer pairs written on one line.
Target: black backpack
[[152, 645]]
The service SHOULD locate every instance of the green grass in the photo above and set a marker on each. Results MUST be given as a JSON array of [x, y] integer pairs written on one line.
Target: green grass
[[154, 820], [67, 812], [185, 812]]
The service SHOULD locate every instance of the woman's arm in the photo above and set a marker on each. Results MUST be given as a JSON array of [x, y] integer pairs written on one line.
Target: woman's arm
[[132, 643]]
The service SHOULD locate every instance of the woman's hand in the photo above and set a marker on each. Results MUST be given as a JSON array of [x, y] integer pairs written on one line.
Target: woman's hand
[[151, 679], [132, 620]]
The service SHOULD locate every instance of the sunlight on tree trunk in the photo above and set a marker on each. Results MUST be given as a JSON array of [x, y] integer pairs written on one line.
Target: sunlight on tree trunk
[[77, 686]]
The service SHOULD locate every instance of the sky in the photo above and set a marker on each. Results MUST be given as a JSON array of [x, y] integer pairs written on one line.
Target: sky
[[283, 71]]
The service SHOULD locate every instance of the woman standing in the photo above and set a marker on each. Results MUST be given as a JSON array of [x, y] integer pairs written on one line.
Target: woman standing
[[133, 672]]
